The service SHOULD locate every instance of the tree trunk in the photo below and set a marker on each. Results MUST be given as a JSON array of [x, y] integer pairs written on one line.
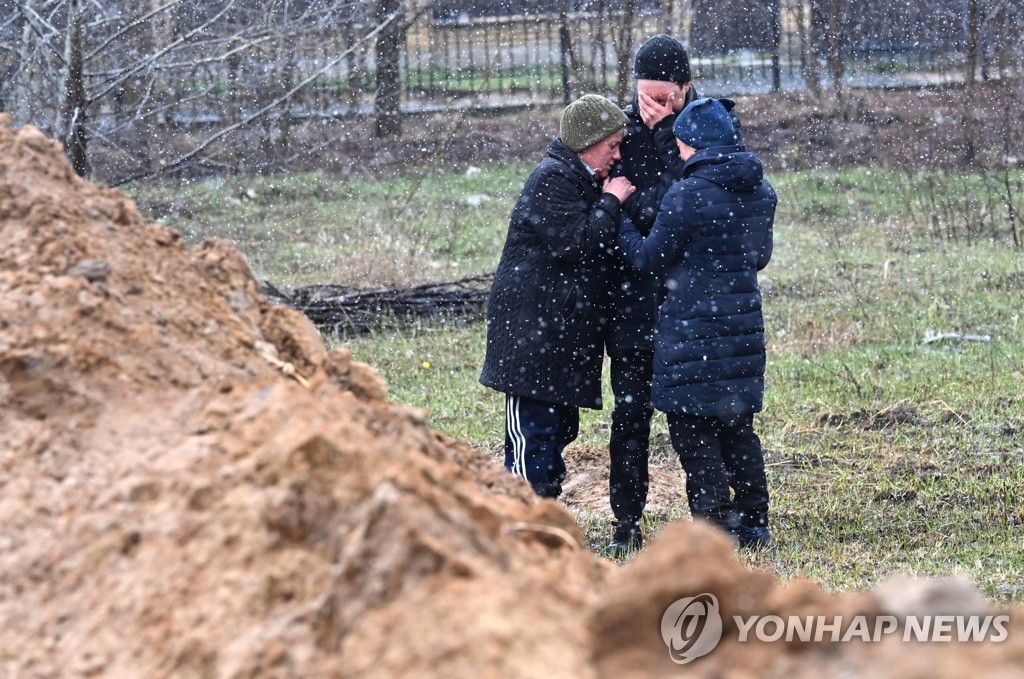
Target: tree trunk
[[21, 92], [973, 54], [973, 44], [809, 34], [565, 49], [73, 110], [681, 21], [835, 23], [624, 48], [353, 69], [776, 45], [235, 91], [286, 80], [150, 97], [389, 87], [277, 128]]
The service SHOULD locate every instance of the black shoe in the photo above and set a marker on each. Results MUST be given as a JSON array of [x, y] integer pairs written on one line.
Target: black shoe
[[627, 539], [754, 538], [551, 489]]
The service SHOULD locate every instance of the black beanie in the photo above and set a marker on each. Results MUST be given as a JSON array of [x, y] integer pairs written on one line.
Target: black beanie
[[664, 58]]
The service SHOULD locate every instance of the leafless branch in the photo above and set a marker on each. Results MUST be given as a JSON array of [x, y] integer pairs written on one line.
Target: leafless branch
[[150, 59], [270, 106], [128, 27], [32, 18]]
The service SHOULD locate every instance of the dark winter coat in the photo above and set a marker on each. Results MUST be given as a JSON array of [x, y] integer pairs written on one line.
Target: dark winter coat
[[546, 312], [648, 164], [712, 235]]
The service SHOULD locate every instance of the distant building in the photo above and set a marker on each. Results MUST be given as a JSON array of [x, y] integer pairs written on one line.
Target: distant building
[[894, 26], [905, 25], [719, 27]]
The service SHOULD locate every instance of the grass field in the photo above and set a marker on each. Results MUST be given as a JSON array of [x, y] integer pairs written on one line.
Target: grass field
[[886, 453]]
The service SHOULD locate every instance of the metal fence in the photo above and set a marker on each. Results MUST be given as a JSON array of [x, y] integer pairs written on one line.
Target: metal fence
[[550, 58], [546, 58], [514, 61]]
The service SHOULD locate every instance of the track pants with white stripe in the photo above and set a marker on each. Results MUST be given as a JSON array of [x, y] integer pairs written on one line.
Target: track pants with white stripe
[[536, 433]]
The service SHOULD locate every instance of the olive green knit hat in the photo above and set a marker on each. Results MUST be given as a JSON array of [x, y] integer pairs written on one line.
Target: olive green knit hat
[[588, 120]]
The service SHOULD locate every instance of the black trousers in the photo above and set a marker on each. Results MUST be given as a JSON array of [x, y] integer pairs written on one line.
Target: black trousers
[[719, 454], [629, 446]]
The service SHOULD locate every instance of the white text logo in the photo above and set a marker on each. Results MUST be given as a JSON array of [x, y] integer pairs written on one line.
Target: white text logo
[[692, 627]]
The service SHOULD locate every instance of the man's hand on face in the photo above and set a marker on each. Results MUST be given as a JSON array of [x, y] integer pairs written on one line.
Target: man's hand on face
[[659, 98], [653, 109]]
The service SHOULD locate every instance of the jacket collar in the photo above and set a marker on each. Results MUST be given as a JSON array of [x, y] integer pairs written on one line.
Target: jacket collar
[[559, 151]]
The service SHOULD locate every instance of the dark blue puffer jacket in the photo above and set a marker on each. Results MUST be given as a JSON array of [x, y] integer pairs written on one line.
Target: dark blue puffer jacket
[[650, 160], [712, 235]]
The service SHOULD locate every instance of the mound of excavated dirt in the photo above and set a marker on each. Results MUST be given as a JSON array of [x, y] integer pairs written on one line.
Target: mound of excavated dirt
[[191, 485]]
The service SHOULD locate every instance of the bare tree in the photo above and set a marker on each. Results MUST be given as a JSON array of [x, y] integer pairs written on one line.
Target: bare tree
[[834, 19], [624, 49], [389, 87], [679, 20], [973, 43], [567, 60], [809, 39], [166, 85], [74, 107]]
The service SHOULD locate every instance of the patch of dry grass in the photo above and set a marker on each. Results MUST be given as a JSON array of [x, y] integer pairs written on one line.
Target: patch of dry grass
[[886, 453]]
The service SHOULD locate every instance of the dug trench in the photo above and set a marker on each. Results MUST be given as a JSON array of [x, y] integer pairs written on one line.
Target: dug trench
[[192, 485]]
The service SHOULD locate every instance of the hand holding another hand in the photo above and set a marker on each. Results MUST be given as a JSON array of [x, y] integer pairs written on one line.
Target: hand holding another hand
[[620, 187]]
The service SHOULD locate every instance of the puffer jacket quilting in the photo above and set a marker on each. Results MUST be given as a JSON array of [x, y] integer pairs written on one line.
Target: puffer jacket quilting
[[712, 235]]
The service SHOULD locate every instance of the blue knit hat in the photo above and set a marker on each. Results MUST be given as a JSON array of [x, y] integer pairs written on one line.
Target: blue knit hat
[[705, 123]]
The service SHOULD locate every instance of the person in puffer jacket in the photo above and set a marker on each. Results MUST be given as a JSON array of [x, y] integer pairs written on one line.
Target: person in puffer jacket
[[546, 310], [713, 233]]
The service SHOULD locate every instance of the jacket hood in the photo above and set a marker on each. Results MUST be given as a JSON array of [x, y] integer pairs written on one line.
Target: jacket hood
[[731, 167]]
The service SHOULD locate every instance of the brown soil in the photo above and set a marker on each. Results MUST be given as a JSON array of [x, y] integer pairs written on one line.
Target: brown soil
[[191, 485], [586, 487]]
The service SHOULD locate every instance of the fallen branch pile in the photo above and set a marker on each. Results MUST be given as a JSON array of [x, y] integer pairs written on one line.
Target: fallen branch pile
[[345, 310]]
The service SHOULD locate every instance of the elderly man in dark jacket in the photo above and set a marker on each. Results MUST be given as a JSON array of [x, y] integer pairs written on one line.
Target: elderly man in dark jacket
[[546, 310], [713, 233]]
